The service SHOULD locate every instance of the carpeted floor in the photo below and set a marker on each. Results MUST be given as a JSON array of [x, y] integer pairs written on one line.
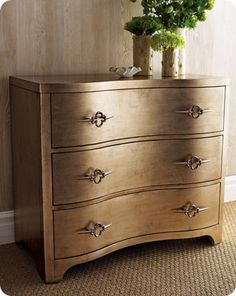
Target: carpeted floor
[[178, 268]]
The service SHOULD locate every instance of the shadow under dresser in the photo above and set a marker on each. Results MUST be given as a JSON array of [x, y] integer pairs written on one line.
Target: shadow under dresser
[[101, 163]]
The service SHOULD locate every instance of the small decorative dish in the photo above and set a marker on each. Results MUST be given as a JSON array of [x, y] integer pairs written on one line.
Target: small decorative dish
[[126, 71]]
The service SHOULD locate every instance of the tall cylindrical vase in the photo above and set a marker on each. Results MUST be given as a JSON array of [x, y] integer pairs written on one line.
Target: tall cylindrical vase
[[170, 62], [143, 54], [182, 53]]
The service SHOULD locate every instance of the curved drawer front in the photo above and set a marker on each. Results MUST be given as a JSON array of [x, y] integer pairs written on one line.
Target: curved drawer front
[[80, 176], [83, 230], [87, 118]]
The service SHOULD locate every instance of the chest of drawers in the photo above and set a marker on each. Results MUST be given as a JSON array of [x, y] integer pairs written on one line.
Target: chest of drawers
[[101, 163]]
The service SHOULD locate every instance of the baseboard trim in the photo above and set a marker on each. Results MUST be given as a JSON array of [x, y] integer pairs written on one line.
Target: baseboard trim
[[7, 234], [230, 188]]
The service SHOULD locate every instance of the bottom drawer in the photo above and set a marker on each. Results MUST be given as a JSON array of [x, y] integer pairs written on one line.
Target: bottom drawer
[[86, 229]]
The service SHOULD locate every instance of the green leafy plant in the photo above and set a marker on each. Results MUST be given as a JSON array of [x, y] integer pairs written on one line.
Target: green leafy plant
[[145, 25], [162, 18], [165, 40], [173, 14]]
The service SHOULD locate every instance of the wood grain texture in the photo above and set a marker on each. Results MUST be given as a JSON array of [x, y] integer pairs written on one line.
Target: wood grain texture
[[211, 50], [57, 37], [154, 164], [7, 55], [149, 179], [78, 36], [61, 265], [131, 216], [72, 36], [47, 221], [27, 180], [217, 55], [100, 82], [144, 112]]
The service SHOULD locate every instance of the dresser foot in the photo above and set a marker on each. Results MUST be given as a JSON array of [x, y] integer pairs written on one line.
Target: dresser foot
[[216, 238], [54, 278]]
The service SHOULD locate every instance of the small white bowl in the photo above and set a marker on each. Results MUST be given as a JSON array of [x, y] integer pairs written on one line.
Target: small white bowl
[[125, 71]]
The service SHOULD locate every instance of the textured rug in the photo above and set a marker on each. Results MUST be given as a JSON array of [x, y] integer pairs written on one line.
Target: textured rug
[[178, 267]]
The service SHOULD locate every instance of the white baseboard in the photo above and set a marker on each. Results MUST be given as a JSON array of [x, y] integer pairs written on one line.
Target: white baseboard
[[7, 234], [230, 188]]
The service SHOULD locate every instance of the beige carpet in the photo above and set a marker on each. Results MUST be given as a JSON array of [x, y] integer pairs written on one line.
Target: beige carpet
[[179, 268]]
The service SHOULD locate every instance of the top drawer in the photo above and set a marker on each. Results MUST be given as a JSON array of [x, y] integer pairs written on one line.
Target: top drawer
[[78, 118]]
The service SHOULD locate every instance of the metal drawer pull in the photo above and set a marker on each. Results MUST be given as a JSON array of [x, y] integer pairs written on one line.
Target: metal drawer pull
[[190, 210], [193, 162], [95, 230], [98, 119], [195, 111], [95, 176]]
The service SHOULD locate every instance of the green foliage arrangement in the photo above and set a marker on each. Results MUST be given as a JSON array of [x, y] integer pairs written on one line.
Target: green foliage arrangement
[[166, 40], [175, 14], [145, 25], [163, 17]]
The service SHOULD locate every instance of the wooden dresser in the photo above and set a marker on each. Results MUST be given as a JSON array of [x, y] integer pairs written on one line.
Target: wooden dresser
[[102, 163]]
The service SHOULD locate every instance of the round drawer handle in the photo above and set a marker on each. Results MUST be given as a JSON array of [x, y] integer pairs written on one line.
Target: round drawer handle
[[190, 210], [195, 111], [193, 162], [96, 176], [96, 229], [98, 119]]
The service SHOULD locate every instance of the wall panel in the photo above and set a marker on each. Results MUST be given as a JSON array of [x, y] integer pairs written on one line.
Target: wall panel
[[57, 37]]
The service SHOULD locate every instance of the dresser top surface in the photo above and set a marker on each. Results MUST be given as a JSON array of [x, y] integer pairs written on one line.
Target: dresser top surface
[[100, 82]]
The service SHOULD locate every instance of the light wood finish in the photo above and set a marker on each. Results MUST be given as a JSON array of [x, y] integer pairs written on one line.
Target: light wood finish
[[126, 192], [144, 163], [47, 37], [50, 36], [131, 216], [27, 179], [47, 221], [131, 140], [146, 182], [214, 234], [100, 82], [134, 113]]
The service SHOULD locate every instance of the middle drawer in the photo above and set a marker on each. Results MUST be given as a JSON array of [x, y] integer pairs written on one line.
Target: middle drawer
[[86, 175]]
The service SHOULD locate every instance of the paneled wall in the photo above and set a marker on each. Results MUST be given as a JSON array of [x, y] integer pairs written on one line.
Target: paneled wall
[[84, 36], [211, 50], [57, 37]]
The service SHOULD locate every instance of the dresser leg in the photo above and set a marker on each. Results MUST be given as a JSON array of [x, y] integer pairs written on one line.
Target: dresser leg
[[216, 238], [54, 278]]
